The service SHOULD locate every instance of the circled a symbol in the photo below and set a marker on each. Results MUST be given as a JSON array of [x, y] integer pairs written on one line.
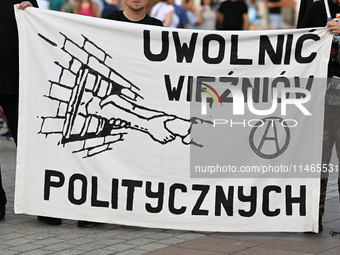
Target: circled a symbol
[[270, 122]]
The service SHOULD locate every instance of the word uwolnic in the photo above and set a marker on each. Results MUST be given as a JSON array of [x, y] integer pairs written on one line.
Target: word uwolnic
[[284, 46]]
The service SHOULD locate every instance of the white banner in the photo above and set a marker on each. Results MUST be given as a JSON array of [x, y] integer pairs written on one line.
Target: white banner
[[134, 124]]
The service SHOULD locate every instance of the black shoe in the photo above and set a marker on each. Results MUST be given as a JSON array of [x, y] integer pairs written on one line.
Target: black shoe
[[2, 213], [83, 223], [49, 220]]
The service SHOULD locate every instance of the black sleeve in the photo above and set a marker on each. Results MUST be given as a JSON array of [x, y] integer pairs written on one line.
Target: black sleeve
[[315, 16], [34, 3], [220, 9], [244, 8], [304, 4]]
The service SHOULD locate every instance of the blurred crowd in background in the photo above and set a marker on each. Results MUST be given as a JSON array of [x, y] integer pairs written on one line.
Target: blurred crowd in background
[[196, 14]]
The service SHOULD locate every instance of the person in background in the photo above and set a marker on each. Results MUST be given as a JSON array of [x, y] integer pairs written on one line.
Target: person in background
[[233, 15], [194, 16], [111, 7], [100, 4], [134, 12], [68, 6], [275, 15], [181, 12], [208, 15], [86, 8], [3, 121], [55, 5], [122, 5], [166, 13], [254, 19]]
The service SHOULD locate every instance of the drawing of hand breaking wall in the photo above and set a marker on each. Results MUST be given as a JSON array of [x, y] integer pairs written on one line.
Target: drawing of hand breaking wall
[[98, 111]]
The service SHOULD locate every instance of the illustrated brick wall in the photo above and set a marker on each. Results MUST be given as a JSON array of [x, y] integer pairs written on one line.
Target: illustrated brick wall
[[86, 75]]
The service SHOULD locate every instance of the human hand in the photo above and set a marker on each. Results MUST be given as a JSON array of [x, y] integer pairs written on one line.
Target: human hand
[[24, 4], [333, 27]]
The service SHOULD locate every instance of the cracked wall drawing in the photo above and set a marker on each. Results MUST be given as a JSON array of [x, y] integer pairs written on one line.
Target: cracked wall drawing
[[89, 109]]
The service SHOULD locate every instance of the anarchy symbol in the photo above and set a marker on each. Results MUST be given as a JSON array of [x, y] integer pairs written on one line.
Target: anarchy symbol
[[271, 122]]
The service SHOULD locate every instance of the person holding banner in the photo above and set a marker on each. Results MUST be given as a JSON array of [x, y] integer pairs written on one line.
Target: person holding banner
[[9, 73], [319, 14], [9, 78], [134, 13]]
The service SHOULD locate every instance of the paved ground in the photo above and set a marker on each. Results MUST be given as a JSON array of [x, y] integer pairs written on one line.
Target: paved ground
[[23, 234]]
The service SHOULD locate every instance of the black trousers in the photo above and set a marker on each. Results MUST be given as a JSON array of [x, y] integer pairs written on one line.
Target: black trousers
[[9, 104], [3, 199]]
